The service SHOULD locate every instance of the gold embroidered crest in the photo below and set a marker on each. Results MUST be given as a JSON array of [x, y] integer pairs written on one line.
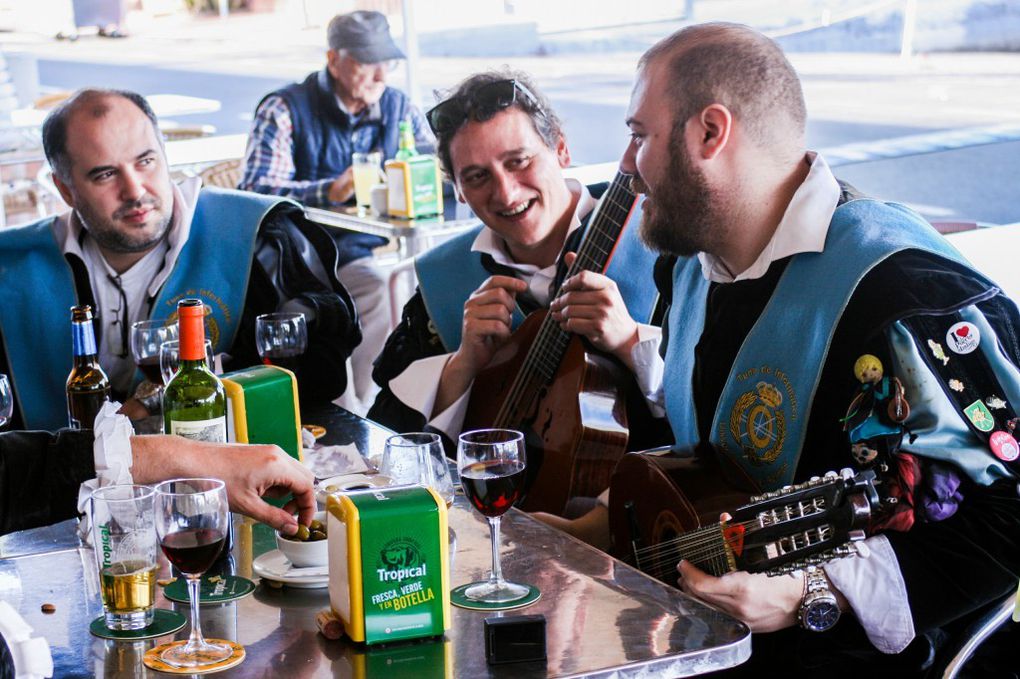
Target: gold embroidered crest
[[757, 424]]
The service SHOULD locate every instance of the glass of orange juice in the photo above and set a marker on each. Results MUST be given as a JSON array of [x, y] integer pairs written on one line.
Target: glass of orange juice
[[367, 173]]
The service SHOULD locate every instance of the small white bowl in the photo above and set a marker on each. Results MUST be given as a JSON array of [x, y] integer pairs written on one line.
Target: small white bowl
[[305, 554]]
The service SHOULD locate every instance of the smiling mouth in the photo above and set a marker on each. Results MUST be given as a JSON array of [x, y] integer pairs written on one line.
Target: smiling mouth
[[517, 210]]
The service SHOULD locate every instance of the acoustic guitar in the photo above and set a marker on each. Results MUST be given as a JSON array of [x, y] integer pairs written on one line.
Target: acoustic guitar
[[664, 507], [568, 399]]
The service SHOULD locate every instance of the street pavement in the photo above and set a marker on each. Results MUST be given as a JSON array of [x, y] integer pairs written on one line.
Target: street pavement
[[852, 98]]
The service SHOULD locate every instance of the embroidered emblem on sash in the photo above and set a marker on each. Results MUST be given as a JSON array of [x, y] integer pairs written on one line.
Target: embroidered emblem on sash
[[758, 425]]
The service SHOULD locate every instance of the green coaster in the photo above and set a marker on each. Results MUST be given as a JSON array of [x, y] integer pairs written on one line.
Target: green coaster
[[215, 589], [163, 622], [458, 599]]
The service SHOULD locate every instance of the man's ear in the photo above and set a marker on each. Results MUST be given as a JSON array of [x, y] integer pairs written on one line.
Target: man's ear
[[715, 123], [333, 63], [563, 152], [457, 193], [64, 189]]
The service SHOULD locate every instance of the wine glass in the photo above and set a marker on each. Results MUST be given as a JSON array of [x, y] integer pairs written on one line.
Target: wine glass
[[146, 338], [170, 358], [491, 464], [192, 519], [418, 458], [6, 400], [281, 337]]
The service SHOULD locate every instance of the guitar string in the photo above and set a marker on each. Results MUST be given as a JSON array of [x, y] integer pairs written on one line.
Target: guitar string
[[549, 332], [696, 535], [701, 543]]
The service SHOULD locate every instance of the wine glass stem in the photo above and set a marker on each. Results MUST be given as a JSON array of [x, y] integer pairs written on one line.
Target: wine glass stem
[[496, 577], [195, 640]]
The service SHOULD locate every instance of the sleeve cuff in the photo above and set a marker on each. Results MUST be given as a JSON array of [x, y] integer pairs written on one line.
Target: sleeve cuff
[[417, 388], [649, 367], [874, 587], [113, 459]]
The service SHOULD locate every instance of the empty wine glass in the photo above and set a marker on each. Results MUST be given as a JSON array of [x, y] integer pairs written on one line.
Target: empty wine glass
[[6, 400], [192, 520], [146, 338], [418, 458], [281, 338], [170, 358], [491, 464]]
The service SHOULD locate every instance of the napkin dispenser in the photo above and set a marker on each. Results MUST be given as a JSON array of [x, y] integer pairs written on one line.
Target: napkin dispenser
[[262, 407], [389, 571], [415, 187]]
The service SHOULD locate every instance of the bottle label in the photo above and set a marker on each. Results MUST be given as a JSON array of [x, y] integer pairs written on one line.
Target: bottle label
[[83, 339], [213, 431]]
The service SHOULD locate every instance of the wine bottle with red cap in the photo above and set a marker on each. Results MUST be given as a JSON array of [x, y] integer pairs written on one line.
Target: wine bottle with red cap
[[194, 401]]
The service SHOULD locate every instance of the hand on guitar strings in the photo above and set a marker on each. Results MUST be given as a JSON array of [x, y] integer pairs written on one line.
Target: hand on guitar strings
[[486, 327], [590, 305]]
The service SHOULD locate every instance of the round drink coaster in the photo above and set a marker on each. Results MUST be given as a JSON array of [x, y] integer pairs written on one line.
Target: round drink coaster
[[153, 661], [216, 589], [458, 599], [163, 622]]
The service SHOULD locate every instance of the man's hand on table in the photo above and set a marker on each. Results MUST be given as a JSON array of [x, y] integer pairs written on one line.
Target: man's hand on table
[[342, 188], [249, 472]]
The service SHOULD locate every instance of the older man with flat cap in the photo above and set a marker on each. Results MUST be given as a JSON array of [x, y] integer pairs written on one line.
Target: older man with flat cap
[[301, 144]]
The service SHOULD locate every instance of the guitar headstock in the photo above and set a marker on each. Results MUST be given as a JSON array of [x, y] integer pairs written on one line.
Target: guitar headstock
[[801, 525]]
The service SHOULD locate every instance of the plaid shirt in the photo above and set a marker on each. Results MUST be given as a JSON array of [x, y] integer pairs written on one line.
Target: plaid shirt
[[269, 161]]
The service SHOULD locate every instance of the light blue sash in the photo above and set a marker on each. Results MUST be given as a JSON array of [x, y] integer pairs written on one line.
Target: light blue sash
[[449, 273], [763, 412], [37, 287]]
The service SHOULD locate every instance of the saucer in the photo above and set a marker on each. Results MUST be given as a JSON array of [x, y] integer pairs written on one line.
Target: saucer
[[272, 563]]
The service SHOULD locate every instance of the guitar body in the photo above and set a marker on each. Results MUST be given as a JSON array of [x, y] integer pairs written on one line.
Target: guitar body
[[655, 497], [575, 426]]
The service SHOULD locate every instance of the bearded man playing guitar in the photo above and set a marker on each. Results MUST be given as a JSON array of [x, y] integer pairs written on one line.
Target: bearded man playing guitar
[[782, 284], [502, 145]]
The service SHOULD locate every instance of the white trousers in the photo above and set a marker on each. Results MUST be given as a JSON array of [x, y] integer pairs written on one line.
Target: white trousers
[[367, 283]]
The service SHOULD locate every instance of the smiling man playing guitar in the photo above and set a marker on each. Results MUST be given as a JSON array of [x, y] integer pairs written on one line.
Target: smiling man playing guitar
[[787, 295], [503, 147]]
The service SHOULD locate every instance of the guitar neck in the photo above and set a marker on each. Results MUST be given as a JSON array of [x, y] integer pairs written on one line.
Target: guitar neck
[[596, 249]]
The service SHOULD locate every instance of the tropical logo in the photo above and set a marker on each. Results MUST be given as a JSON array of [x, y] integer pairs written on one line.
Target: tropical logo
[[399, 559], [758, 425]]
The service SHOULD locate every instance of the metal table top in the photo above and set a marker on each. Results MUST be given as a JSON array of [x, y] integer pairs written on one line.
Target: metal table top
[[603, 617]]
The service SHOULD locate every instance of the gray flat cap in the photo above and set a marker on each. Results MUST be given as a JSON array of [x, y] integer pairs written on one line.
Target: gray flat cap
[[364, 35]]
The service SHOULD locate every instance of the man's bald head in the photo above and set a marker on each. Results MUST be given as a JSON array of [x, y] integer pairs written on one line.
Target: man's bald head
[[733, 65]]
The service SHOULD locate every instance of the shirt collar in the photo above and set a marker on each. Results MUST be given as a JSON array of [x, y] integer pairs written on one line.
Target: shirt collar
[[491, 243], [803, 228]]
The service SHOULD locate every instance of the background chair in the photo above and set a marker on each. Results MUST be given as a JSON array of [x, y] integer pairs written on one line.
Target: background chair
[[225, 174]]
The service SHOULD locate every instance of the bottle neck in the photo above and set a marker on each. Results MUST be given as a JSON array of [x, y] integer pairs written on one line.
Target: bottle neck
[[83, 343], [192, 339]]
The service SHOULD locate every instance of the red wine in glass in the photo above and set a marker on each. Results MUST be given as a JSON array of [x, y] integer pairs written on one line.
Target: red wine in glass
[[150, 368], [493, 486], [193, 551], [283, 358]]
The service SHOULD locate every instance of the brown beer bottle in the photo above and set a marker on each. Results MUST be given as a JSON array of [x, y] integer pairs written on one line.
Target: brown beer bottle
[[88, 387]]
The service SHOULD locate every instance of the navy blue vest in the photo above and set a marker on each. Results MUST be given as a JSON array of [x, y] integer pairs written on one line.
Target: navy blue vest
[[324, 137]]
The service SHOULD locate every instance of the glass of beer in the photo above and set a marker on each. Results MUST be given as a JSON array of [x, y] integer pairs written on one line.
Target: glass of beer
[[367, 169], [124, 536]]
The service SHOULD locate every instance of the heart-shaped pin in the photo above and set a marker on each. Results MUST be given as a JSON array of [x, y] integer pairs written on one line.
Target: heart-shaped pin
[[963, 330]]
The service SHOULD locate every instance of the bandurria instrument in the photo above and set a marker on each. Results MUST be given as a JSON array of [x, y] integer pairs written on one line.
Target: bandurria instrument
[[666, 507]]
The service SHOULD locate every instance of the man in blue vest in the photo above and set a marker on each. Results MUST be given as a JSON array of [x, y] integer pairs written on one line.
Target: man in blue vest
[[787, 294], [503, 147], [301, 143], [134, 243]]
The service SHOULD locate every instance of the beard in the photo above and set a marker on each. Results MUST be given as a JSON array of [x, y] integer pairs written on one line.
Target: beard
[[679, 218], [115, 238]]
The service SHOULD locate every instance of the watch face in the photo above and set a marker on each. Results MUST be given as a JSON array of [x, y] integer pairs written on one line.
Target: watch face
[[821, 615]]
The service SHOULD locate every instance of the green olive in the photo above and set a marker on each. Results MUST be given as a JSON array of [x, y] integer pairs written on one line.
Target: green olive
[[316, 525], [317, 535], [302, 533]]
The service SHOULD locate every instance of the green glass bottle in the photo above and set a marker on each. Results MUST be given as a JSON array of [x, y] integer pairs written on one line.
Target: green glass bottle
[[194, 401], [88, 387], [407, 147]]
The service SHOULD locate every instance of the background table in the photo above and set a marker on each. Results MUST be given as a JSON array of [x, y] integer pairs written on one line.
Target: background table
[[603, 617]]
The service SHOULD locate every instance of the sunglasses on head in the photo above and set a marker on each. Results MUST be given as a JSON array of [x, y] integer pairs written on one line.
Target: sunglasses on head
[[448, 115]]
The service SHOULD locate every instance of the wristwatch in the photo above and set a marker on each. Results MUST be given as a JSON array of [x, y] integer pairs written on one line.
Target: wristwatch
[[819, 609]]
